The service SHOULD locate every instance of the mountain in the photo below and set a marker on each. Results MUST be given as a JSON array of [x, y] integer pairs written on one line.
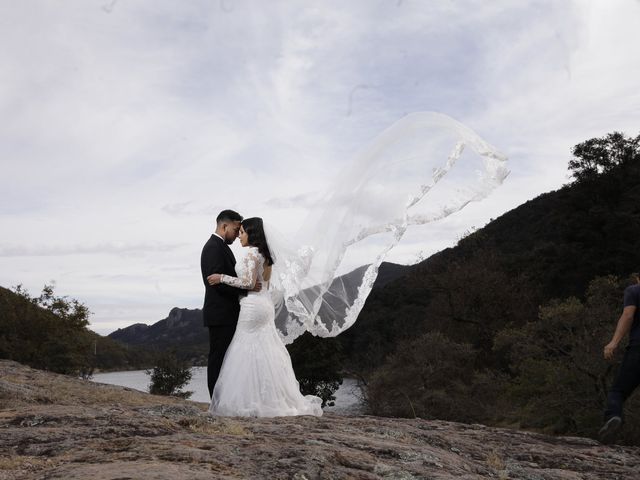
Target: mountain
[[184, 331], [181, 331], [182, 326]]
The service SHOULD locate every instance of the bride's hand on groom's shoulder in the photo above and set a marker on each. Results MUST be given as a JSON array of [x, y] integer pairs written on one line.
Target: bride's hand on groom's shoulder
[[214, 279]]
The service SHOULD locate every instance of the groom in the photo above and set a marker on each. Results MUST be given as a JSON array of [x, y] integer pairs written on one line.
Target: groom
[[221, 303]]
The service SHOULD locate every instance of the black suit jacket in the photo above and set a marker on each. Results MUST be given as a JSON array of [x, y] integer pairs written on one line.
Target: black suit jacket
[[221, 303]]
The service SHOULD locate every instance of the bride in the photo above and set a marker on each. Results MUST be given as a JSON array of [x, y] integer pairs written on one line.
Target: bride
[[257, 378]]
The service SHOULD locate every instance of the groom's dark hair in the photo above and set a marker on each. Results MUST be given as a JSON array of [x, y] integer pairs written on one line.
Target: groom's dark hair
[[228, 216]]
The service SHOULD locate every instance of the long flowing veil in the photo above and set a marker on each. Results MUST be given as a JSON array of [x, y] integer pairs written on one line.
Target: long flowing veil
[[423, 168]]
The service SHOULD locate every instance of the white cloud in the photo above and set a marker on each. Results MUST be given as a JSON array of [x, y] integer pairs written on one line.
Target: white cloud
[[118, 248], [128, 125]]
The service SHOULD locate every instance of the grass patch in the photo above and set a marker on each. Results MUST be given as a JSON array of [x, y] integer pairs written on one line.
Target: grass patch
[[213, 426]]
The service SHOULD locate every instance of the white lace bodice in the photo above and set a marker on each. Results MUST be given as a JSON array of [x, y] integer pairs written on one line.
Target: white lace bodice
[[250, 270]]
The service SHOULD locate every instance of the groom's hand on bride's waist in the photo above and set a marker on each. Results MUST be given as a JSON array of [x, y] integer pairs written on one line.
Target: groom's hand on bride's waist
[[257, 287]]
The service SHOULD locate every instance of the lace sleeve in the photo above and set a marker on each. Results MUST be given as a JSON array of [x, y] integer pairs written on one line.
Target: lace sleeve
[[248, 272]]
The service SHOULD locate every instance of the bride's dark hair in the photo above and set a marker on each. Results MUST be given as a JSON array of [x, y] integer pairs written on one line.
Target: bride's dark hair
[[255, 236]]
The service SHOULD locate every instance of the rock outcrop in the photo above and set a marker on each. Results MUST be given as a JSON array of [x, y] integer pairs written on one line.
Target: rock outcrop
[[57, 427], [182, 325]]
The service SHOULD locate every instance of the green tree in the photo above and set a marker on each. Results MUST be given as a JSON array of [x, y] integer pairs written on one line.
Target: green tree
[[73, 313], [47, 332], [433, 377], [596, 156], [560, 378], [169, 376], [317, 364]]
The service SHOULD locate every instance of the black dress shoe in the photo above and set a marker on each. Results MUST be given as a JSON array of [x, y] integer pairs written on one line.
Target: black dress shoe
[[610, 429]]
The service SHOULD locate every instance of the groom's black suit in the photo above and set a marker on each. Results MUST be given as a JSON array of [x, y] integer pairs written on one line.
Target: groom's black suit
[[221, 304]]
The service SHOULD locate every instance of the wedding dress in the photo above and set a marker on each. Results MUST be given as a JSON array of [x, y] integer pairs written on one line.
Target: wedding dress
[[257, 378]]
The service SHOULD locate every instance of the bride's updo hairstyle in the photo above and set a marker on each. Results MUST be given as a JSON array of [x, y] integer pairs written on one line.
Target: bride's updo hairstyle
[[255, 236]]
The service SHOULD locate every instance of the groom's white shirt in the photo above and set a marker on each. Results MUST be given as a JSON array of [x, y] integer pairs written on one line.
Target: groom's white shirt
[[219, 236]]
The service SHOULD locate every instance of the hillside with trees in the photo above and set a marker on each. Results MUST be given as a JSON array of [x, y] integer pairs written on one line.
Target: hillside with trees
[[50, 332], [508, 327]]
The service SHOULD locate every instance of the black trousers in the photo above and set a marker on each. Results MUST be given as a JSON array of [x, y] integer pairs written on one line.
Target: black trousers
[[626, 381], [220, 337]]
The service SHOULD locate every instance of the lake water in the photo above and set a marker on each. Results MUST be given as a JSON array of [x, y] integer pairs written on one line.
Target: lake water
[[347, 396]]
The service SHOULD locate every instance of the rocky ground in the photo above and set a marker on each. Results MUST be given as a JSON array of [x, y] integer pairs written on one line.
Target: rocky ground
[[56, 427]]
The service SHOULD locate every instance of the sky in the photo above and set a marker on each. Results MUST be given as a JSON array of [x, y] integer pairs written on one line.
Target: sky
[[127, 125]]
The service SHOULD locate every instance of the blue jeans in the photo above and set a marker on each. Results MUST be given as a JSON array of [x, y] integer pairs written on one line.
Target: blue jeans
[[627, 379]]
